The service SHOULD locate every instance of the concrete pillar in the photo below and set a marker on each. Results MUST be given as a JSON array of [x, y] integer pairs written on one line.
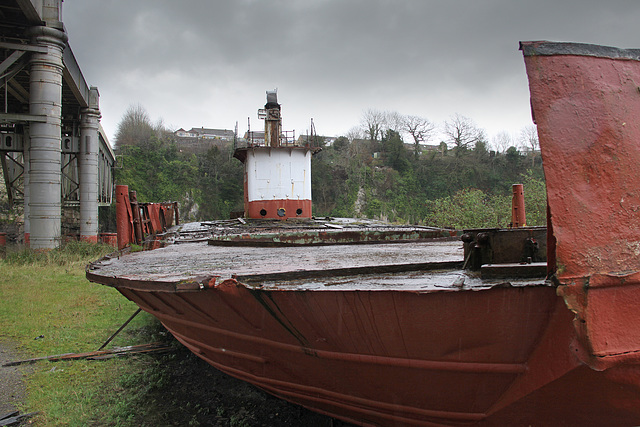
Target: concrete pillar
[[45, 99], [25, 162], [88, 168]]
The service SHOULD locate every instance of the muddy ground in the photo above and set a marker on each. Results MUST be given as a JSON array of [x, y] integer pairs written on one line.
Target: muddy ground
[[224, 400]]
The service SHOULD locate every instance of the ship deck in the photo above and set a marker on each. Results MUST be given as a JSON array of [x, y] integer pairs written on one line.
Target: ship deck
[[420, 265]]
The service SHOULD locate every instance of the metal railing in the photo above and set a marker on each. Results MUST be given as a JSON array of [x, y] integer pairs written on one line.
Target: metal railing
[[287, 139]]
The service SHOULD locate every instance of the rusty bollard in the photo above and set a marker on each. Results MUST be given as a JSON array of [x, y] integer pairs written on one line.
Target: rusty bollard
[[123, 222], [518, 215]]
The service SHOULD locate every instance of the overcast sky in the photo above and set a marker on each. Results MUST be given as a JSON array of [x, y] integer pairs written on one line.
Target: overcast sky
[[208, 63]]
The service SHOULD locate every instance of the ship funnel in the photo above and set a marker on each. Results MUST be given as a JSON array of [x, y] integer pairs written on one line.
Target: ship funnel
[[272, 99], [272, 120]]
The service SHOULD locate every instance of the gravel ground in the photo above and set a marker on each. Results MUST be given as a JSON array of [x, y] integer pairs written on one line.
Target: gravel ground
[[12, 387]]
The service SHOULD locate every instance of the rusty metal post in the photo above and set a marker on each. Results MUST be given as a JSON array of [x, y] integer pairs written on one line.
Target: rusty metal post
[[137, 224], [176, 213], [518, 215], [124, 325], [122, 215]]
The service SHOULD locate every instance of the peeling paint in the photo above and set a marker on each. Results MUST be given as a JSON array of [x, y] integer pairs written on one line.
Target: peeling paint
[[585, 104]]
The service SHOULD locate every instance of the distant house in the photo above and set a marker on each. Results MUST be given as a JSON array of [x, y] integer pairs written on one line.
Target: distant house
[[206, 133], [430, 147], [254, 137], [201, 139], [328, 140], [181, 133]]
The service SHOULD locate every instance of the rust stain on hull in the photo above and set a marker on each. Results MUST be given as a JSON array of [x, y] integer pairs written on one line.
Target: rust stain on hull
[[586, 104]]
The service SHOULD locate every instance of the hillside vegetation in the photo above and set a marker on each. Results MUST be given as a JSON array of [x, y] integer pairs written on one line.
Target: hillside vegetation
[[373, 172]]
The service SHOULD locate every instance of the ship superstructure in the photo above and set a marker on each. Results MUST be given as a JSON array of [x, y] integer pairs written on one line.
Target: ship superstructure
[[277, 169]]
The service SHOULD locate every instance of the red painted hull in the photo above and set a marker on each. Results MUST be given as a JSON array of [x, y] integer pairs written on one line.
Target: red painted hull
[[348, 331], [501, 356]]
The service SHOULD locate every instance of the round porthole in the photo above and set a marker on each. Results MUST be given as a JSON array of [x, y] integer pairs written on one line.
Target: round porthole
[[281, 212], [263, 212], [298, 211]]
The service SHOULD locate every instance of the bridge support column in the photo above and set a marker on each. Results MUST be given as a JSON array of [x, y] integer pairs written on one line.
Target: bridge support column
[[45, 98], [88, 168], [25, 162]]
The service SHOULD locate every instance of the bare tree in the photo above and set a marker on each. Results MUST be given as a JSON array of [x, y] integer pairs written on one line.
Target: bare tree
[[420, 129], [393, 121], [135, 127], [355, 148], [529, 138], [372, 123], [354, 133], [462, 133], [502, 141], [529, 141]]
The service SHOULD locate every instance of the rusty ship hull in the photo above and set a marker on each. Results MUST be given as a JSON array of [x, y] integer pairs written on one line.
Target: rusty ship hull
[[381, 333], [397, 356], [375, 333]]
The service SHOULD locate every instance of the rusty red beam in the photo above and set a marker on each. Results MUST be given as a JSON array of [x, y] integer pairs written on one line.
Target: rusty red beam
[[118, 351]]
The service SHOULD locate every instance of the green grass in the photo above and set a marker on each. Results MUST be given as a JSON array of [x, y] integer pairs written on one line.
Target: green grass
[[46, 294], [47, 307]]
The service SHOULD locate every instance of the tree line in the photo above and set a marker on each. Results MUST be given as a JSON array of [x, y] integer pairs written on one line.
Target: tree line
[[386, 167]]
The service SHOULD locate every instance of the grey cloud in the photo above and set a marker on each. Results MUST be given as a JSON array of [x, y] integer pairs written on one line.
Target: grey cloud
[[210, 61]]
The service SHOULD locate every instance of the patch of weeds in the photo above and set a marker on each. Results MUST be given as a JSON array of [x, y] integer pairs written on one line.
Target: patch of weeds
[[70, 253], [238, 420]]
